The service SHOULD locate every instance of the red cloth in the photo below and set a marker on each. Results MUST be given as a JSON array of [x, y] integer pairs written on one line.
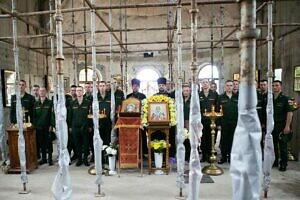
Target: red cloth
[[129, 132]]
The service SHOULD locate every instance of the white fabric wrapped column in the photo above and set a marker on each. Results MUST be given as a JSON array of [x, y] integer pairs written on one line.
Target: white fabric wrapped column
[[180, 152], [61, 187], [21, 140], [246, 160], [96, 139], [3, 146], [53, 71], [195, 134], [195, 125], [269, 155]]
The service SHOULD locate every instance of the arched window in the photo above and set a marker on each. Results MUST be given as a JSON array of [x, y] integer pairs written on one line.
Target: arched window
[[209, 72], [89, 75], [148, 78]]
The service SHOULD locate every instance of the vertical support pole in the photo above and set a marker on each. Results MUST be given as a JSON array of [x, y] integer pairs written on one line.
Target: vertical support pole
[[21, 140], [110, 70], [85, 51], [194, 12], [96, 139], [74, 61], [212, 48], [269, 156], [247, 180], [61, 191], [126, 53], [121, 50], [221, 72], [180, 149]]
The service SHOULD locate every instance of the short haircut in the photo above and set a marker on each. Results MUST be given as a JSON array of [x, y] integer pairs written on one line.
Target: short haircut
[[263, 80], [277, 81], [229, 81], [102, 82], [73, 86], [36, 86], [23, 81], [79, 86], [87, 83]]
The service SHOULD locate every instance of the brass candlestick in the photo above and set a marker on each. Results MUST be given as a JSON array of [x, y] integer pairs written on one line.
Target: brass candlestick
[[212, 169]]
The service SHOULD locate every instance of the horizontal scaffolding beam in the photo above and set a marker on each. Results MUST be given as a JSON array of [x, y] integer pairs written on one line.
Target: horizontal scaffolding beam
[[143, 43], [132, 6], [147, 29], [150, 50]]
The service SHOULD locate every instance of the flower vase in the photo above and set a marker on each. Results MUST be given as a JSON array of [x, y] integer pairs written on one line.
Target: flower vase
[[112, 165], [158, 160]]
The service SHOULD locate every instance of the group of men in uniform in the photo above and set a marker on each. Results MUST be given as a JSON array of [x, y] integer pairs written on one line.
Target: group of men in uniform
[[228, 102], [80, 126]]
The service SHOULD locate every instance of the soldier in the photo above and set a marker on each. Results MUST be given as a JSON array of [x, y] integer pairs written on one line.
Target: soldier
[[27, 102], [89, 96], [186, 91], [35, 92], [282, 121], [263, 86], [262, 100], [79, 124], [229, 103], [108, 86], [213, 86], [207, 98], [235, 86], [88, 87], [42, 121], [71, 144], [104, 99]]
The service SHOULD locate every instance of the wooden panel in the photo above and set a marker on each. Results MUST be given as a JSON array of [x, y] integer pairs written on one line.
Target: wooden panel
[[30, 150]]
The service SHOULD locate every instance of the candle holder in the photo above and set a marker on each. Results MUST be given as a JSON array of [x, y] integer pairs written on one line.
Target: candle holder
[[212, 169]]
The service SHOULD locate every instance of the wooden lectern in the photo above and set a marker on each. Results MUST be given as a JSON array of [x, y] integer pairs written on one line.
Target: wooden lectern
[[30, 150], [129, 136]]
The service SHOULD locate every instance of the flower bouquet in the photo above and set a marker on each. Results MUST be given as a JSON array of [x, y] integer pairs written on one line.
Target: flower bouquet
[[111, 149], [293, 104], [158, 146], [185, 134]]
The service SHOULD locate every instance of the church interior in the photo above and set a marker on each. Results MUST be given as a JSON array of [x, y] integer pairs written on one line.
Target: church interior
[[119, 40]]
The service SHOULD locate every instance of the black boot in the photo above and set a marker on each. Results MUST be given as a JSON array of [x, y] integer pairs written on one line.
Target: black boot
[[50, 161], [42, 161], [79, 162], [86, 162]]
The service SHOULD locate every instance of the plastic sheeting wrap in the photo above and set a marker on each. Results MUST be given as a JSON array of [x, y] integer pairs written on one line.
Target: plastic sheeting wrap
[[195, 133], [246, 161], [21, 140], [269, 155], [61, 187], [113, 135], [97, 139], [3, 146], [180, 153]]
